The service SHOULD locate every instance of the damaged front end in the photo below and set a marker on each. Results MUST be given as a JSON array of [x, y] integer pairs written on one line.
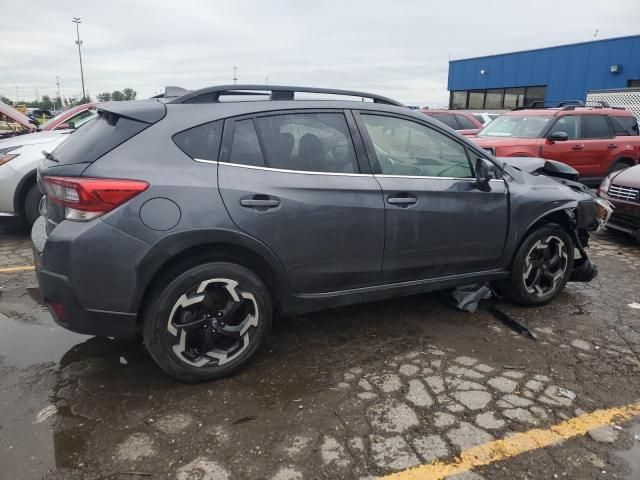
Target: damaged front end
[[587, 214]]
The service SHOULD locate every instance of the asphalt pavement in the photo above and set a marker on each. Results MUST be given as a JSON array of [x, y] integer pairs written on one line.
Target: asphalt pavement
[[407, 387]]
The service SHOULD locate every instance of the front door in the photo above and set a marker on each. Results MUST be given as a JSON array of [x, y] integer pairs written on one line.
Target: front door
[[438, 222], [293, 181]]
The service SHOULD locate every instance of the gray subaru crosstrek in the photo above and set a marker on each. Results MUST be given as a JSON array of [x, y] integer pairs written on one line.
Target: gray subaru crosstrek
[[196, 217]]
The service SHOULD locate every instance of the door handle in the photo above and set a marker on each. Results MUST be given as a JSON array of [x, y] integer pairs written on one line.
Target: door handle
[[260, 202], [612, 145], [402, 200], [577, 147]]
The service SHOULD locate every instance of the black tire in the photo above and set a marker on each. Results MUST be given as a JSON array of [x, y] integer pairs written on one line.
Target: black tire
[[620, 165], [521, 287], [204, 339], [32, 204]]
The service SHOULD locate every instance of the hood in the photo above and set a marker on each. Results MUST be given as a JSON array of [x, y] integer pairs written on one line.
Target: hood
[[16, 116], [502, 141], [629, 177], [33, 138], [551, 168]]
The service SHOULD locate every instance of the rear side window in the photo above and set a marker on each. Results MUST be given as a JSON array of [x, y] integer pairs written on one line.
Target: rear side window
[[316, 142], [245, 147], [595, 126], [625, 125], [201, 142], [465, 123], [97, 137], [447, 119]]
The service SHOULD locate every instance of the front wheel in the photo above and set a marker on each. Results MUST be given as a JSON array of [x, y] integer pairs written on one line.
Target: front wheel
[[542, 266], [208, 322]]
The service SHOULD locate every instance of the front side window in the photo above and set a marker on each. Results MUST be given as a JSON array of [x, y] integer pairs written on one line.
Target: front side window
[[317, 142], [595, 126], [403, 147], [518, 126], [569, 124]]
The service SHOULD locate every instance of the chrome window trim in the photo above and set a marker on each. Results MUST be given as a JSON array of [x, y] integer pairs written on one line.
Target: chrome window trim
[[434, 178], [303, 172], [309, 172]]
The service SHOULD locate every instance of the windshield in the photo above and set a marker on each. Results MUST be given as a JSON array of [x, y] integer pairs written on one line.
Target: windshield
[[516, 126]]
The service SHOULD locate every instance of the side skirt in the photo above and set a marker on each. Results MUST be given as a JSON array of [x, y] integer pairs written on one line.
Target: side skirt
[[308, 302]]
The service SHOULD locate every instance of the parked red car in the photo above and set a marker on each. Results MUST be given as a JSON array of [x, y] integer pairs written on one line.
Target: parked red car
[[593, 140], [622, 189], [464, 122], [69, 117]]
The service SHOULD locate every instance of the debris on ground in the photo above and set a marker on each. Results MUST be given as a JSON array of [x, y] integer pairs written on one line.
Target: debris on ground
[[509, 322], [565, 392], [467, 297], [635, 305], [123, 361], [45, 413], [246, 419]]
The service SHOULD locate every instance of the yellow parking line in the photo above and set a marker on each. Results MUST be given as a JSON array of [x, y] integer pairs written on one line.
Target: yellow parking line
[[21, 268], [517, 444]]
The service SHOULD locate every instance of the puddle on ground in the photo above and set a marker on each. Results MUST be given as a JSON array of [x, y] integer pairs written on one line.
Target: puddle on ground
[[632, 456], [31, 345], [28, 334]]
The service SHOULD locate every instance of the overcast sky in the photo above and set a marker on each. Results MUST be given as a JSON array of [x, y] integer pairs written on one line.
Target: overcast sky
[[395, 48]]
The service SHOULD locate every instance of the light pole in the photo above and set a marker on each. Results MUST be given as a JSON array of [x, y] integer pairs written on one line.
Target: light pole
[[77, 21], [58, 84]]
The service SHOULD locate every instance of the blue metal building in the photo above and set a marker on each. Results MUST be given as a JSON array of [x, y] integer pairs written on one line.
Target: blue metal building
[[564, 72]]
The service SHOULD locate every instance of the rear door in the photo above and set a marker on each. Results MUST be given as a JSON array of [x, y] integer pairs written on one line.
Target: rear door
[[293, 180], [600, 149], [438, 222]]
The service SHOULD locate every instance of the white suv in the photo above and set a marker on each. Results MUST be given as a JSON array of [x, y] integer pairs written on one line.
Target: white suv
[[19, 157]]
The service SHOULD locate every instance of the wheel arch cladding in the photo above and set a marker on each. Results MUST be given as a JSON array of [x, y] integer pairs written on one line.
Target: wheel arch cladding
[[565, 217], [201, 253]]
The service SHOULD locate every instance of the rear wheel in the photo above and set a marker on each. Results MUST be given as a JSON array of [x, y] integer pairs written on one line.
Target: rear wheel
[[208, 322], [542, 266], [32, 204]]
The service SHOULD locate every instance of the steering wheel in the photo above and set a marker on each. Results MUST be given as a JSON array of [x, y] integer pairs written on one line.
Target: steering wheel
[[440, 174]]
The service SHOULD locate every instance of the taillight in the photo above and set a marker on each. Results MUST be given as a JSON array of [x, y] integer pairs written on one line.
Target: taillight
[[87, 198]]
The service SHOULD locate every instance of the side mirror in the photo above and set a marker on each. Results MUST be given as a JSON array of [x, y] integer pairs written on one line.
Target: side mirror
[[558, 137], [483, 175]]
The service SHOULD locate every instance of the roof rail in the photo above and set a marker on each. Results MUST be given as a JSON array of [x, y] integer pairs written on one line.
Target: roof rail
[[563, 104], [275, 92]]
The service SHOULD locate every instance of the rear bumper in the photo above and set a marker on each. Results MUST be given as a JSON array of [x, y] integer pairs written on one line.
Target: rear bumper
[[70, 305], [56, 288]]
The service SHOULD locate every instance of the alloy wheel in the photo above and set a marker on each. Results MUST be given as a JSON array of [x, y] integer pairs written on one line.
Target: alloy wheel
[[212, 323], [545, 266]]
